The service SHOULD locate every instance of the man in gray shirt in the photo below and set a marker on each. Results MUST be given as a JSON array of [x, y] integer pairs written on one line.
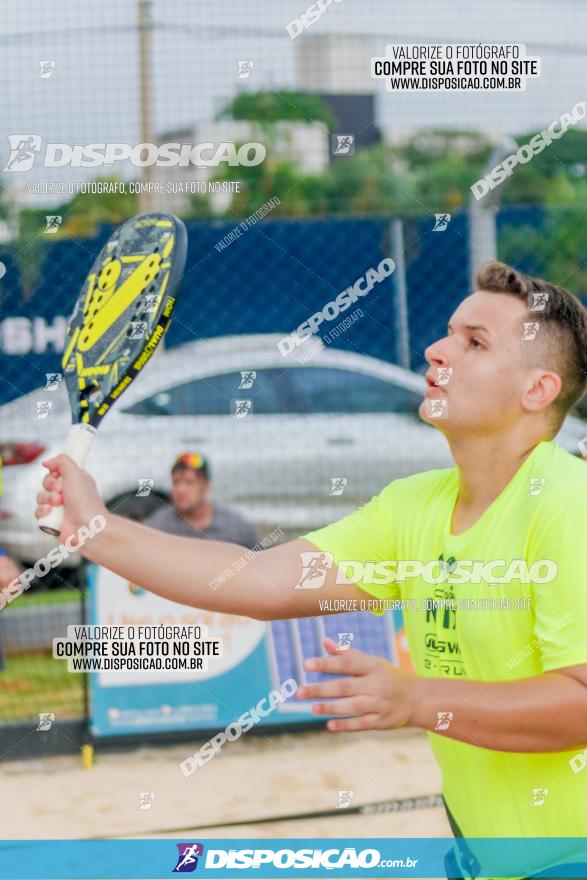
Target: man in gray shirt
[[190, 514]]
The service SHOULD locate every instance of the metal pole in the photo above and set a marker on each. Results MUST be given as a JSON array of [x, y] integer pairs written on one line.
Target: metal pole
[[87, 748], [144, 9], [483, 212], [402, 328]]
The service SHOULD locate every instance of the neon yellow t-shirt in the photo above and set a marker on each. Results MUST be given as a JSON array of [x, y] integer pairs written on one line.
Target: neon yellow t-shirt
[[540, 515]]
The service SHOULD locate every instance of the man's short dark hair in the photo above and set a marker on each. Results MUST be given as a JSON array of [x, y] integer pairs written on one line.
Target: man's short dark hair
[[562, 334]]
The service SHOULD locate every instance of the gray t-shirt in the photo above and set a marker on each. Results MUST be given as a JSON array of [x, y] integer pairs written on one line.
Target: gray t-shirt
[[226, 525]]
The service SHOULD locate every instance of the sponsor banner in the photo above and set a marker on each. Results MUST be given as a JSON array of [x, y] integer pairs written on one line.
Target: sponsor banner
[[142, 700], [149, 689]]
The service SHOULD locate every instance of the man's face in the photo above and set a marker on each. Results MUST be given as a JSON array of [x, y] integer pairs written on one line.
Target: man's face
[[188, 490], [479, 367]]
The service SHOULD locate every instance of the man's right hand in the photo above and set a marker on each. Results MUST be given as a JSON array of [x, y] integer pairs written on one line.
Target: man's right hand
[[69, 485]]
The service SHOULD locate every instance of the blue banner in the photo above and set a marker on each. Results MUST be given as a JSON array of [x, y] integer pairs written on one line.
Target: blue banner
[[297, 857], [257, 658]]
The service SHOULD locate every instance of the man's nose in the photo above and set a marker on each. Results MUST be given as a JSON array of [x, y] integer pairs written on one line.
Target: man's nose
[[437, 353]]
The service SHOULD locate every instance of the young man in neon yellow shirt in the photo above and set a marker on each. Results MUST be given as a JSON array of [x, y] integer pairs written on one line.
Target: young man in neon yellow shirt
[[492, 553]]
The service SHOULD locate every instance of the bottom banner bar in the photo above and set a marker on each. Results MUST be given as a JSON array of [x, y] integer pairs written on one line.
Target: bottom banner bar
[[293, 857]]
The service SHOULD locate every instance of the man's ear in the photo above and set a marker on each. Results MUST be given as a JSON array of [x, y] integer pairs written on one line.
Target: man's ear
[[542, 389]]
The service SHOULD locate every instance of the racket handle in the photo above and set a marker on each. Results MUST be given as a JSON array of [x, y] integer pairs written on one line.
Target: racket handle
[[77, 447]]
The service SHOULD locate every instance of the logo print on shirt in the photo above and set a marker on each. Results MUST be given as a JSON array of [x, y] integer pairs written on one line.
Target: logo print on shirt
[[441, 647]]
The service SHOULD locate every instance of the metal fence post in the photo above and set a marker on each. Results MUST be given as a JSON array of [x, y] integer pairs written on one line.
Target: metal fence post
[[402, 328], [482, 214]]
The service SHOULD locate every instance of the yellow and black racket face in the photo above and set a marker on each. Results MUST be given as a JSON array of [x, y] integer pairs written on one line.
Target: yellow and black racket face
[[122, 312]]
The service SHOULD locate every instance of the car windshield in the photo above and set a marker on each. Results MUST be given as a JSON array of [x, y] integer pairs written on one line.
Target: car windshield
[[288, 390]]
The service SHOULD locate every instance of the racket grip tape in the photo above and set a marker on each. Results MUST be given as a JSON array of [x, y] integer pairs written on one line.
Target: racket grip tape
[[78, 444]]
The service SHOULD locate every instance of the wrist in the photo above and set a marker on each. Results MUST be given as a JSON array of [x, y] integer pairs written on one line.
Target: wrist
[[421, 711], [100, 529]]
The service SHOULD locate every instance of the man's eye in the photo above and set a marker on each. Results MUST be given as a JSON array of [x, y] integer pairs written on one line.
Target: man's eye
[[476, 343]]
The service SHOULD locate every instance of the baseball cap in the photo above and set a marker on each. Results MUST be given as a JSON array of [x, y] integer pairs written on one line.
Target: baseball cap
[[194, 461]]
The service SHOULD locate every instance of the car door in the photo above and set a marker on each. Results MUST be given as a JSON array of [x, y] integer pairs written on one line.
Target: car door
[[365, 429]]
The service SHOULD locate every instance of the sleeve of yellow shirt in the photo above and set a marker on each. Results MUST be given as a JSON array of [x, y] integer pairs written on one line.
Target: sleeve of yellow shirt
[[561, 605], [366, 535]]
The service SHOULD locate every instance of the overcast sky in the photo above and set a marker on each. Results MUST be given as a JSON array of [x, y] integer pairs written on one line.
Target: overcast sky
[[93, 94]]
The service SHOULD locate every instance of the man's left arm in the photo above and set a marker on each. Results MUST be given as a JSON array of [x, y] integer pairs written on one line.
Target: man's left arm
[[546, 713], [543, 713]]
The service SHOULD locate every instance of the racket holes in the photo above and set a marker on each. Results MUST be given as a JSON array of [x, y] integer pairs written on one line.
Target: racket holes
[[88, 392]]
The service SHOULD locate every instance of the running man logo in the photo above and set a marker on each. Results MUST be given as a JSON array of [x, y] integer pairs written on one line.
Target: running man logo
[[46, 719], [345, 799], [146, 799], [315, 565], [437, 408], [241, 408], [537, 484], [530, 331], [444, 374], [53, 221], [247, 378], [338, 485], [47, 68], [539, 301], [151, 302], [244, 69], [441, 222], [23, 151], [444, 719], [42, 409], [539, 795], [344, 641], [52, 381], [187, 860], [343, 145], [138, 329]]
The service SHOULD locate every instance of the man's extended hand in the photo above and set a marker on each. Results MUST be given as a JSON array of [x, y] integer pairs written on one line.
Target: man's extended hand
[[377, 694], [71, 486]]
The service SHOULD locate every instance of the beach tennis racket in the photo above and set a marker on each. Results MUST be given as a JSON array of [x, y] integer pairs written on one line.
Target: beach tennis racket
[[119, 319]]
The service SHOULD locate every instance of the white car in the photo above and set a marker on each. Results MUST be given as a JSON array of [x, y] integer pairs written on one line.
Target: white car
[[319, 433]]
